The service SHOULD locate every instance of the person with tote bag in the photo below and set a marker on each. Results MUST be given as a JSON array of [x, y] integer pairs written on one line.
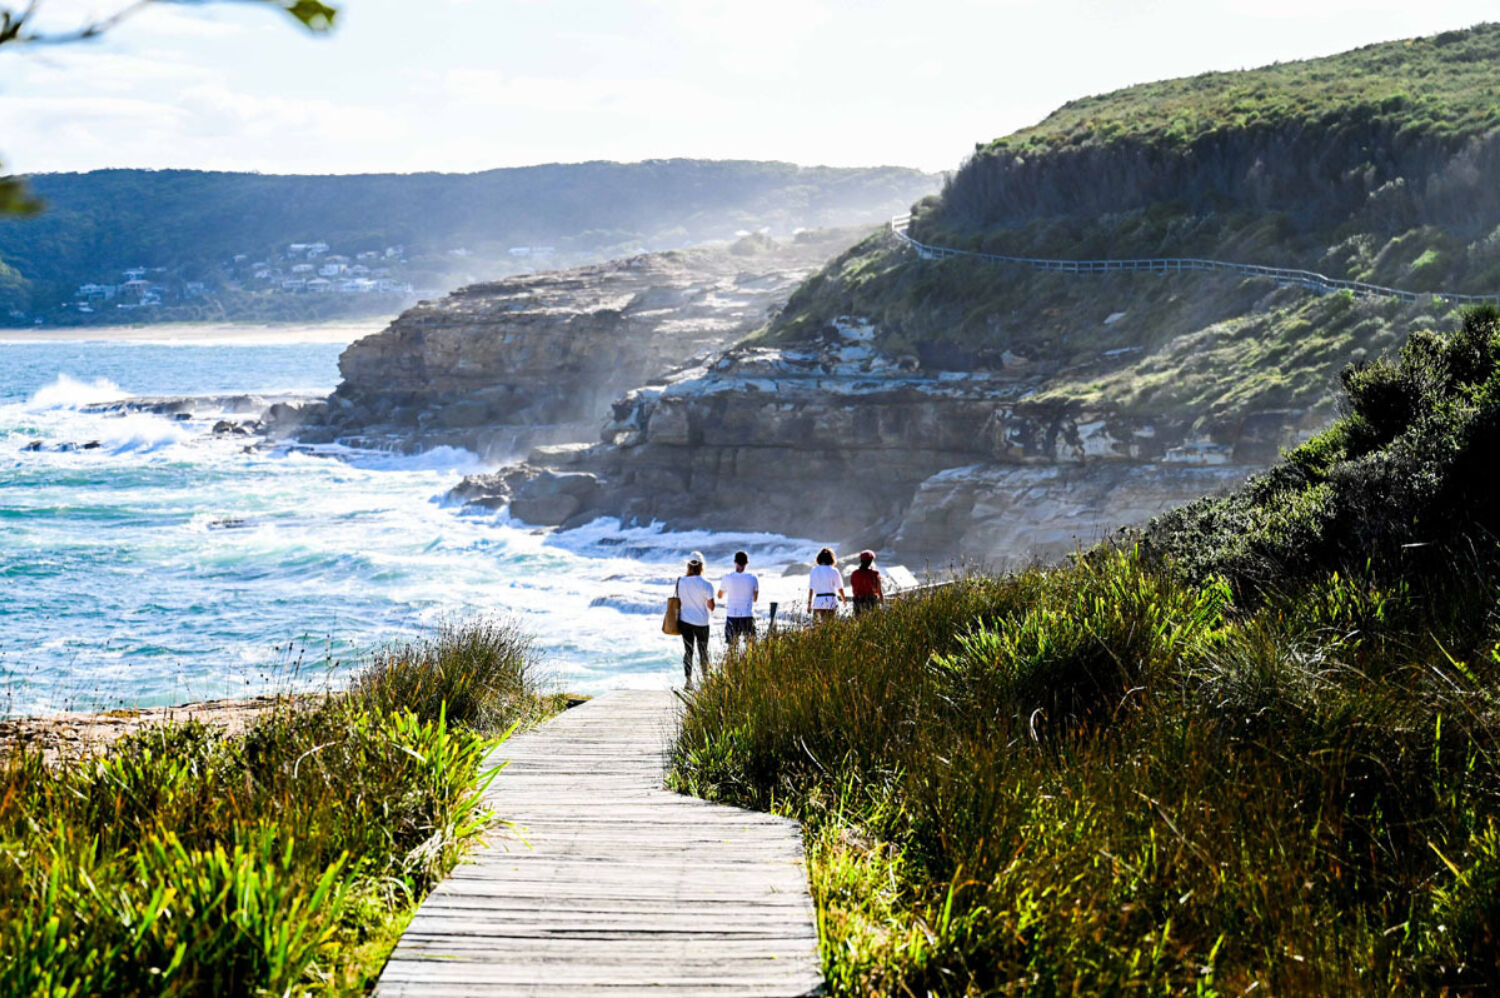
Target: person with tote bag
[[696, 601]]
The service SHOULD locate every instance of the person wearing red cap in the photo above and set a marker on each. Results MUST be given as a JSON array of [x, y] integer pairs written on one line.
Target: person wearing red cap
[[865, 583]]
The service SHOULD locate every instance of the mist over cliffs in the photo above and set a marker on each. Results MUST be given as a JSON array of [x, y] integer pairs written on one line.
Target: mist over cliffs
[[959, 407], [219, 245]]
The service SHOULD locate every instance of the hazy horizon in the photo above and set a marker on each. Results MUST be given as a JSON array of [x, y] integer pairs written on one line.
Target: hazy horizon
[[491, 169], [465, 87]]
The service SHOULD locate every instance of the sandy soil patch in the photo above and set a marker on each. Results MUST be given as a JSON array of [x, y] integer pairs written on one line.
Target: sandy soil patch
[[72, 735]]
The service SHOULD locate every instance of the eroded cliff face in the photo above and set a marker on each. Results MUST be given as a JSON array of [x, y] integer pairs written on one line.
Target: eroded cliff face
[[840, 441], [1027, 450], [498, 368]]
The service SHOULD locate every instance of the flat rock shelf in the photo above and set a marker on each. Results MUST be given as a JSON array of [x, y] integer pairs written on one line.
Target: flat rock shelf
[[606, 883]]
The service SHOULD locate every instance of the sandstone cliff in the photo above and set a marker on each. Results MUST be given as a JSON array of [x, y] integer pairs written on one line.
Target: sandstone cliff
[[500, 367], [839, 440]]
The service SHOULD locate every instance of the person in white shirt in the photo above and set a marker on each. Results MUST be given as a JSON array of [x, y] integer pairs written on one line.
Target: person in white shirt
[[697, 595], [825, 588], [741, 589]]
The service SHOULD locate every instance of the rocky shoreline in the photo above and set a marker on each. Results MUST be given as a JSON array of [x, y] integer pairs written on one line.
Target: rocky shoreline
[[500, 368], [647, 390], [844, 442]]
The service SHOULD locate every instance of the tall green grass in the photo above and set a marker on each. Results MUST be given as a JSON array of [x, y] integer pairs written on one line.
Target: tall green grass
[[1260, 751], [482, 674], [283, 861], [1200, 800]]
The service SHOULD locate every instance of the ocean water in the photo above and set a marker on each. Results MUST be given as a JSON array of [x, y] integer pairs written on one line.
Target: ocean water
[[168, 564]]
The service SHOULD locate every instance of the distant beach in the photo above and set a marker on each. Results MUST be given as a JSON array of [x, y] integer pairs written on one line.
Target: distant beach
[[202, 333]]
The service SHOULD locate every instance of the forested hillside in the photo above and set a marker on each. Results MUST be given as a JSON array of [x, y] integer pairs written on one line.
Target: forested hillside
[[1380, 165], [189, 227], [1375, 164]]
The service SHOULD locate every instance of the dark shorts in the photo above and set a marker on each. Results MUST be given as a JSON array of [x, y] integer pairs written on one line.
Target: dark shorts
[[739, 627]]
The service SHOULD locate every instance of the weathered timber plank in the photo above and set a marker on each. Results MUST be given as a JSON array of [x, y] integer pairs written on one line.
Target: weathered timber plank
[[689, 981], [444, 989], [601, 882]]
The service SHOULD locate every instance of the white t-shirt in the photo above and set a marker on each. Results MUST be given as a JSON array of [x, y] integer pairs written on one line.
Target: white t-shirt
[[739, 593], [825, 579], [695, 591]]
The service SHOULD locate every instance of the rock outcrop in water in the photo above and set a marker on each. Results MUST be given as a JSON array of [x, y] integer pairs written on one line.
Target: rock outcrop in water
[[840, 440], [498, 368]]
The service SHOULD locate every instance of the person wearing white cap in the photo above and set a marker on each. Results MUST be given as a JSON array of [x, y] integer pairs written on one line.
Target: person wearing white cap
[[697, 595]]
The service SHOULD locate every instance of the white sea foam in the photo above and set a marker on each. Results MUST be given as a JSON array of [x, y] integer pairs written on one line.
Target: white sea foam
[[445, 459], [141, 433], [169, 563], [653, 542], [66, 392]]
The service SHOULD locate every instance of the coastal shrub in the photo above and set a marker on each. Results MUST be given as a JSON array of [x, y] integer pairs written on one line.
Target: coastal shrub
[[482, 674], [184, 861], [1079, 642], [1405, 477], [1256, 752]]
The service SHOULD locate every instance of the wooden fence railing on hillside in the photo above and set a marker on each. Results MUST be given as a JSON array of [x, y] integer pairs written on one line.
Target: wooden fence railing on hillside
[[1321, 283]]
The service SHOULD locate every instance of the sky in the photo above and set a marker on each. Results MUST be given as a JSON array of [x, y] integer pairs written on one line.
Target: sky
[[464, 85]]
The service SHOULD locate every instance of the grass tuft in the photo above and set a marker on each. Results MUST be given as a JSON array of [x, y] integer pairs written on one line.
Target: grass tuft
[[483, 674]]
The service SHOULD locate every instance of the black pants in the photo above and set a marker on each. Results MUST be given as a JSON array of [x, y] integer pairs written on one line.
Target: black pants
[[737, 629], [864, 604], [690, 634]]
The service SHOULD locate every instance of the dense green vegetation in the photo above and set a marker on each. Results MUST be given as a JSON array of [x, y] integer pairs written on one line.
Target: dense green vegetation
[[1279, 354], [1444, 84], [1380, 165], [1257, 748], [1392, 127], [190, 223], [283, 861], [1191, 346]]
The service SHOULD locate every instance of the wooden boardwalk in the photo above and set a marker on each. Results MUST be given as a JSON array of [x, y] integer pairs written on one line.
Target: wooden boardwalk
[[609, 884]]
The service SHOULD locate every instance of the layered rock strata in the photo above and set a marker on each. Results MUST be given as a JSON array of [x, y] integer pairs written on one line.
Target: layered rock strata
[[498, 368], [841, 441]]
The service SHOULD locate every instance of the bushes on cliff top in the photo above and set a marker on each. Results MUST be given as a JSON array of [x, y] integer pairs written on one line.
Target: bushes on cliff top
[[283, 861], [1259, 752], [1405, 479]]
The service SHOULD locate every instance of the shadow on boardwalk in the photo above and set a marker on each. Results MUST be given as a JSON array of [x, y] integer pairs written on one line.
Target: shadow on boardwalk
[[609, 884]]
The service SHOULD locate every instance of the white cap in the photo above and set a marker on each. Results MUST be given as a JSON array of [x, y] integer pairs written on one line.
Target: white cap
[[696, 558]]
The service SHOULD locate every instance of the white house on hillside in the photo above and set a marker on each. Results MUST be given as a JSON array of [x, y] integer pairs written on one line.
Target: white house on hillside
[[95, 292]]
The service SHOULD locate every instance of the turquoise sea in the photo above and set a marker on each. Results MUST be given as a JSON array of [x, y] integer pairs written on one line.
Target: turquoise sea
[[168, 564]]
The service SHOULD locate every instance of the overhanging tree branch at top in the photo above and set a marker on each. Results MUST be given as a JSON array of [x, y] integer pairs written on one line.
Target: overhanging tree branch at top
[[18, 27], [18, 24]]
